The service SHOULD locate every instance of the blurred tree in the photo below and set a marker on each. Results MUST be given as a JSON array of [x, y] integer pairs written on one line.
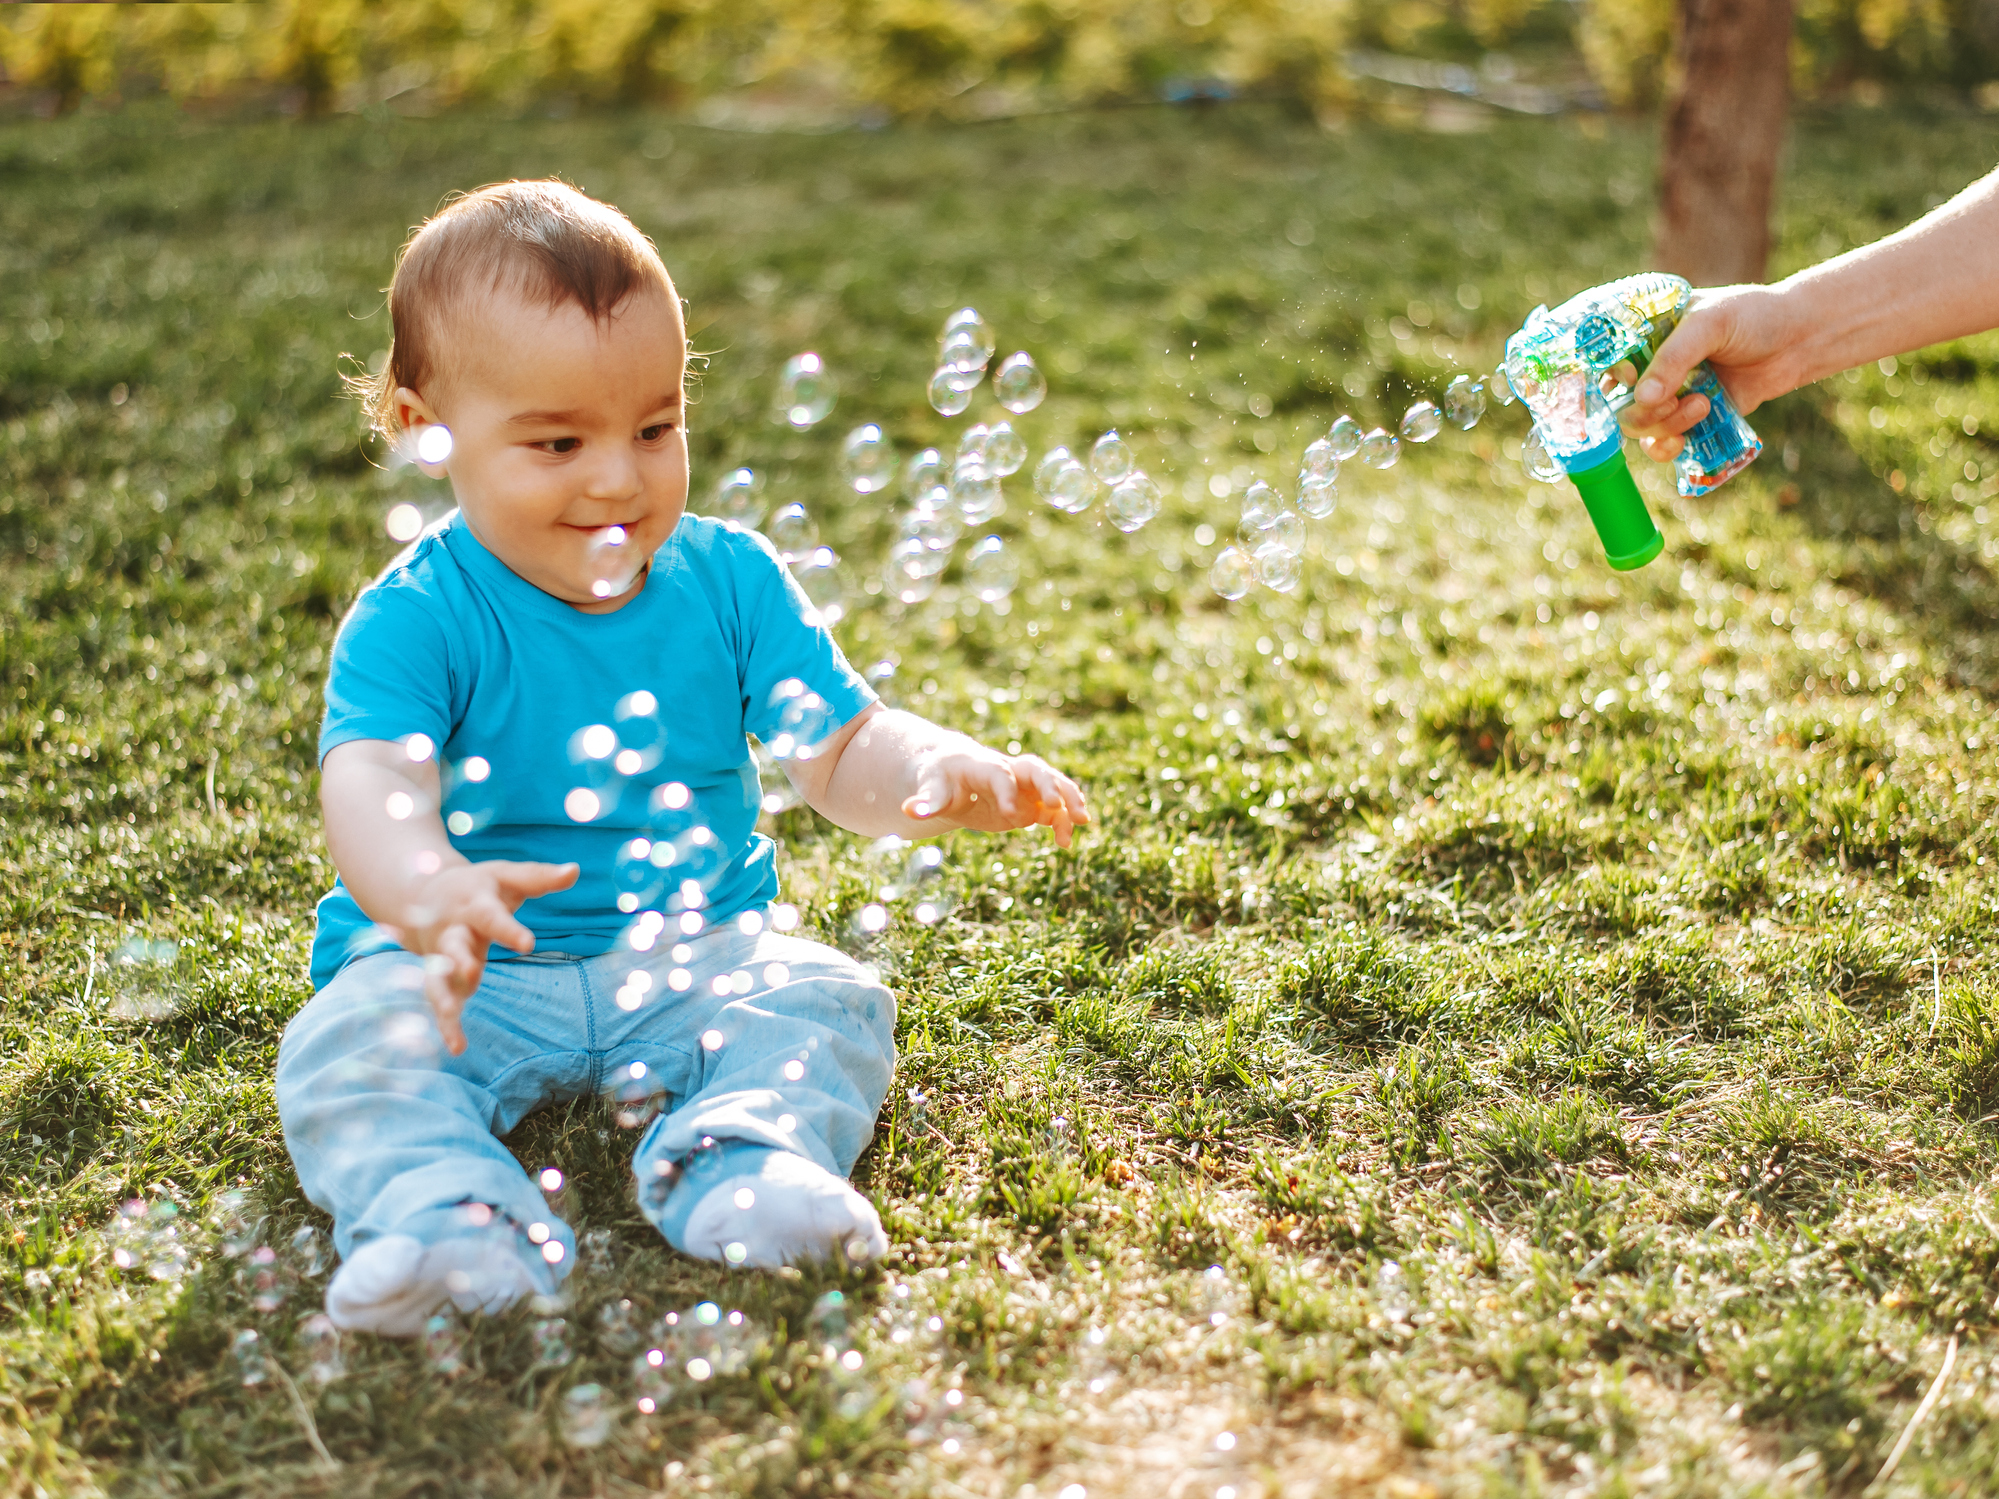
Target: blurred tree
[[1724, 130], [70, 52], [1626, 45]]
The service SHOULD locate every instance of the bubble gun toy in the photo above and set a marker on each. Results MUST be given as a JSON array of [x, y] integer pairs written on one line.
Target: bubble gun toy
[[1561, 364]]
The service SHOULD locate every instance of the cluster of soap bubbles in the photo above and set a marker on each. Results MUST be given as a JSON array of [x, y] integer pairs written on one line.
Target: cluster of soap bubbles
[[944, 496], [1271, 533], [965, 349], [1064, 481]]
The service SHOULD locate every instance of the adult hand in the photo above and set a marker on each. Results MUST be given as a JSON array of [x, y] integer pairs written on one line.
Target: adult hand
[[975, 787], [1747, 334], [451, 917]]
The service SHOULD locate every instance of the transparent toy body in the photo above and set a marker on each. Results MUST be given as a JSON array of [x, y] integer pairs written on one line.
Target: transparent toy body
[[1565, 364]]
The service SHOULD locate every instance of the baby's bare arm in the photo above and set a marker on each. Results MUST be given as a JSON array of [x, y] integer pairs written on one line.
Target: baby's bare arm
[[388, 842], [887, 771]]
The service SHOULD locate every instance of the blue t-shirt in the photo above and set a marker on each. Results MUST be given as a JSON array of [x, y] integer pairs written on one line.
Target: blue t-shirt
[[616, 741]]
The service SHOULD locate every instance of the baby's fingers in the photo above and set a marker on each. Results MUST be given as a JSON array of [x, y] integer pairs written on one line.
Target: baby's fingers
[[450, 975], [934, 797]]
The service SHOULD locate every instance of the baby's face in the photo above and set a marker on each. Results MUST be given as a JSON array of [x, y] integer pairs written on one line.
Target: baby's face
[[568, 453]]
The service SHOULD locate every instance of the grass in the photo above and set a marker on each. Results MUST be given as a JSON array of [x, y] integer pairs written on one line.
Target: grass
[[1559, 1006]]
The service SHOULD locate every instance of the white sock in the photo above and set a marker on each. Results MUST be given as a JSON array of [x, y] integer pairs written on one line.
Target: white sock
[[392, 1284], [792, 1210]]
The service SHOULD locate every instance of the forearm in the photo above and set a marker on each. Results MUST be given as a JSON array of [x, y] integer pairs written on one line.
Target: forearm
[[872, 771], [1935, 280], [384, 831]]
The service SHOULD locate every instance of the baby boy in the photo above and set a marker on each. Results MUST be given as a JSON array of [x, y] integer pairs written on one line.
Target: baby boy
[[541, 799]]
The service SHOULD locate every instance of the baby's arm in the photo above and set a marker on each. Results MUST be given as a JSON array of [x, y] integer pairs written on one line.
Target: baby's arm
[[388, 841], [887, 771]]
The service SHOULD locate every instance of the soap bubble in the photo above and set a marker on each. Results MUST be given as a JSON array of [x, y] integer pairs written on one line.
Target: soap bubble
[[920, 871], [739, 499], [586, 1416], [1422, 421], [403, 522], [934, 523], [868, 459], [309, 1253], [806, 391], [819, 576], [990, 570], [1111, 460], [793, 532], [552, 1348], [946, 397], [1277, 568], [1133, 502], [926, 471], [444, 1344], [1061, 480], [640, 731], [433, 443], [145, 1237], [1320, 461], [612, 561], [319, 1341], [1005, 450], [238, 1229], [636, 1095], [1019, 383], [971, 444], [470, 796], [1344, 436], [967, 342], [1286, 530], [1464, 402], [617, 1326], [1318, 497], [1233, 574], [975, 490], [909, 574], [1539, 463], [246, 1351], [141, 981], [260, 1280], [1380, 449], [1260, 505]]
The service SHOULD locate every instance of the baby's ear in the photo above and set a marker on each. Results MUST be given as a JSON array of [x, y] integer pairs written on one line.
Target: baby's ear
[[411, 409]]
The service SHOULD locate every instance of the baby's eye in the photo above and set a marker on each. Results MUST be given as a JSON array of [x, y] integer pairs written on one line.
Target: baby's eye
[[563, 444], [655, 432]]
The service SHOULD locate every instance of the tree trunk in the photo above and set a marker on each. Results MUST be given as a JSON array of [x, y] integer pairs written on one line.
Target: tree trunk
[[1724, 130]]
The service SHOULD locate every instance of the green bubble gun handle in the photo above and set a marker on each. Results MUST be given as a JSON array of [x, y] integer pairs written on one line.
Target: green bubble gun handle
[[1561, 364]]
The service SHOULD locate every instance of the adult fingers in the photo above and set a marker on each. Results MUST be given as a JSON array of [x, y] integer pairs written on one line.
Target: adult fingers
[[1698, 335]]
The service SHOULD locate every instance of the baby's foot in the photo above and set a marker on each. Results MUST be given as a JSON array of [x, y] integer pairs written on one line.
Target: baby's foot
[[791, 1210], [391, 1284]]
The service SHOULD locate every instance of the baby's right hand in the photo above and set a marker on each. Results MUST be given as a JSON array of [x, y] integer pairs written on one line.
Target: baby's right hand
[[452, 916]]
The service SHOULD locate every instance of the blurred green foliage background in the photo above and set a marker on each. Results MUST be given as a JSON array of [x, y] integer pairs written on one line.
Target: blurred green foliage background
[[915, 58]]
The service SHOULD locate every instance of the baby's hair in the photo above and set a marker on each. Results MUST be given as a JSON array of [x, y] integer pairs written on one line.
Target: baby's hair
[[543, 240]]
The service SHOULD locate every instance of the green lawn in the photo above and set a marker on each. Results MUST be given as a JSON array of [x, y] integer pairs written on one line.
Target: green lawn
[[1559, 1006]]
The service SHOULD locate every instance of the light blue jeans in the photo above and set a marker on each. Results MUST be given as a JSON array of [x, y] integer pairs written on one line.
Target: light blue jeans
[[746, 1044]]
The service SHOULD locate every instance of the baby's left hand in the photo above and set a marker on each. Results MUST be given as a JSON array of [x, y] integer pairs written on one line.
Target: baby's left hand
[[983, 789]]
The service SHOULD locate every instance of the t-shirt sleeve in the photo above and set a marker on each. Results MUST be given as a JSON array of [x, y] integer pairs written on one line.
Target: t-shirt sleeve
[[391, 670], [796, 681]]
